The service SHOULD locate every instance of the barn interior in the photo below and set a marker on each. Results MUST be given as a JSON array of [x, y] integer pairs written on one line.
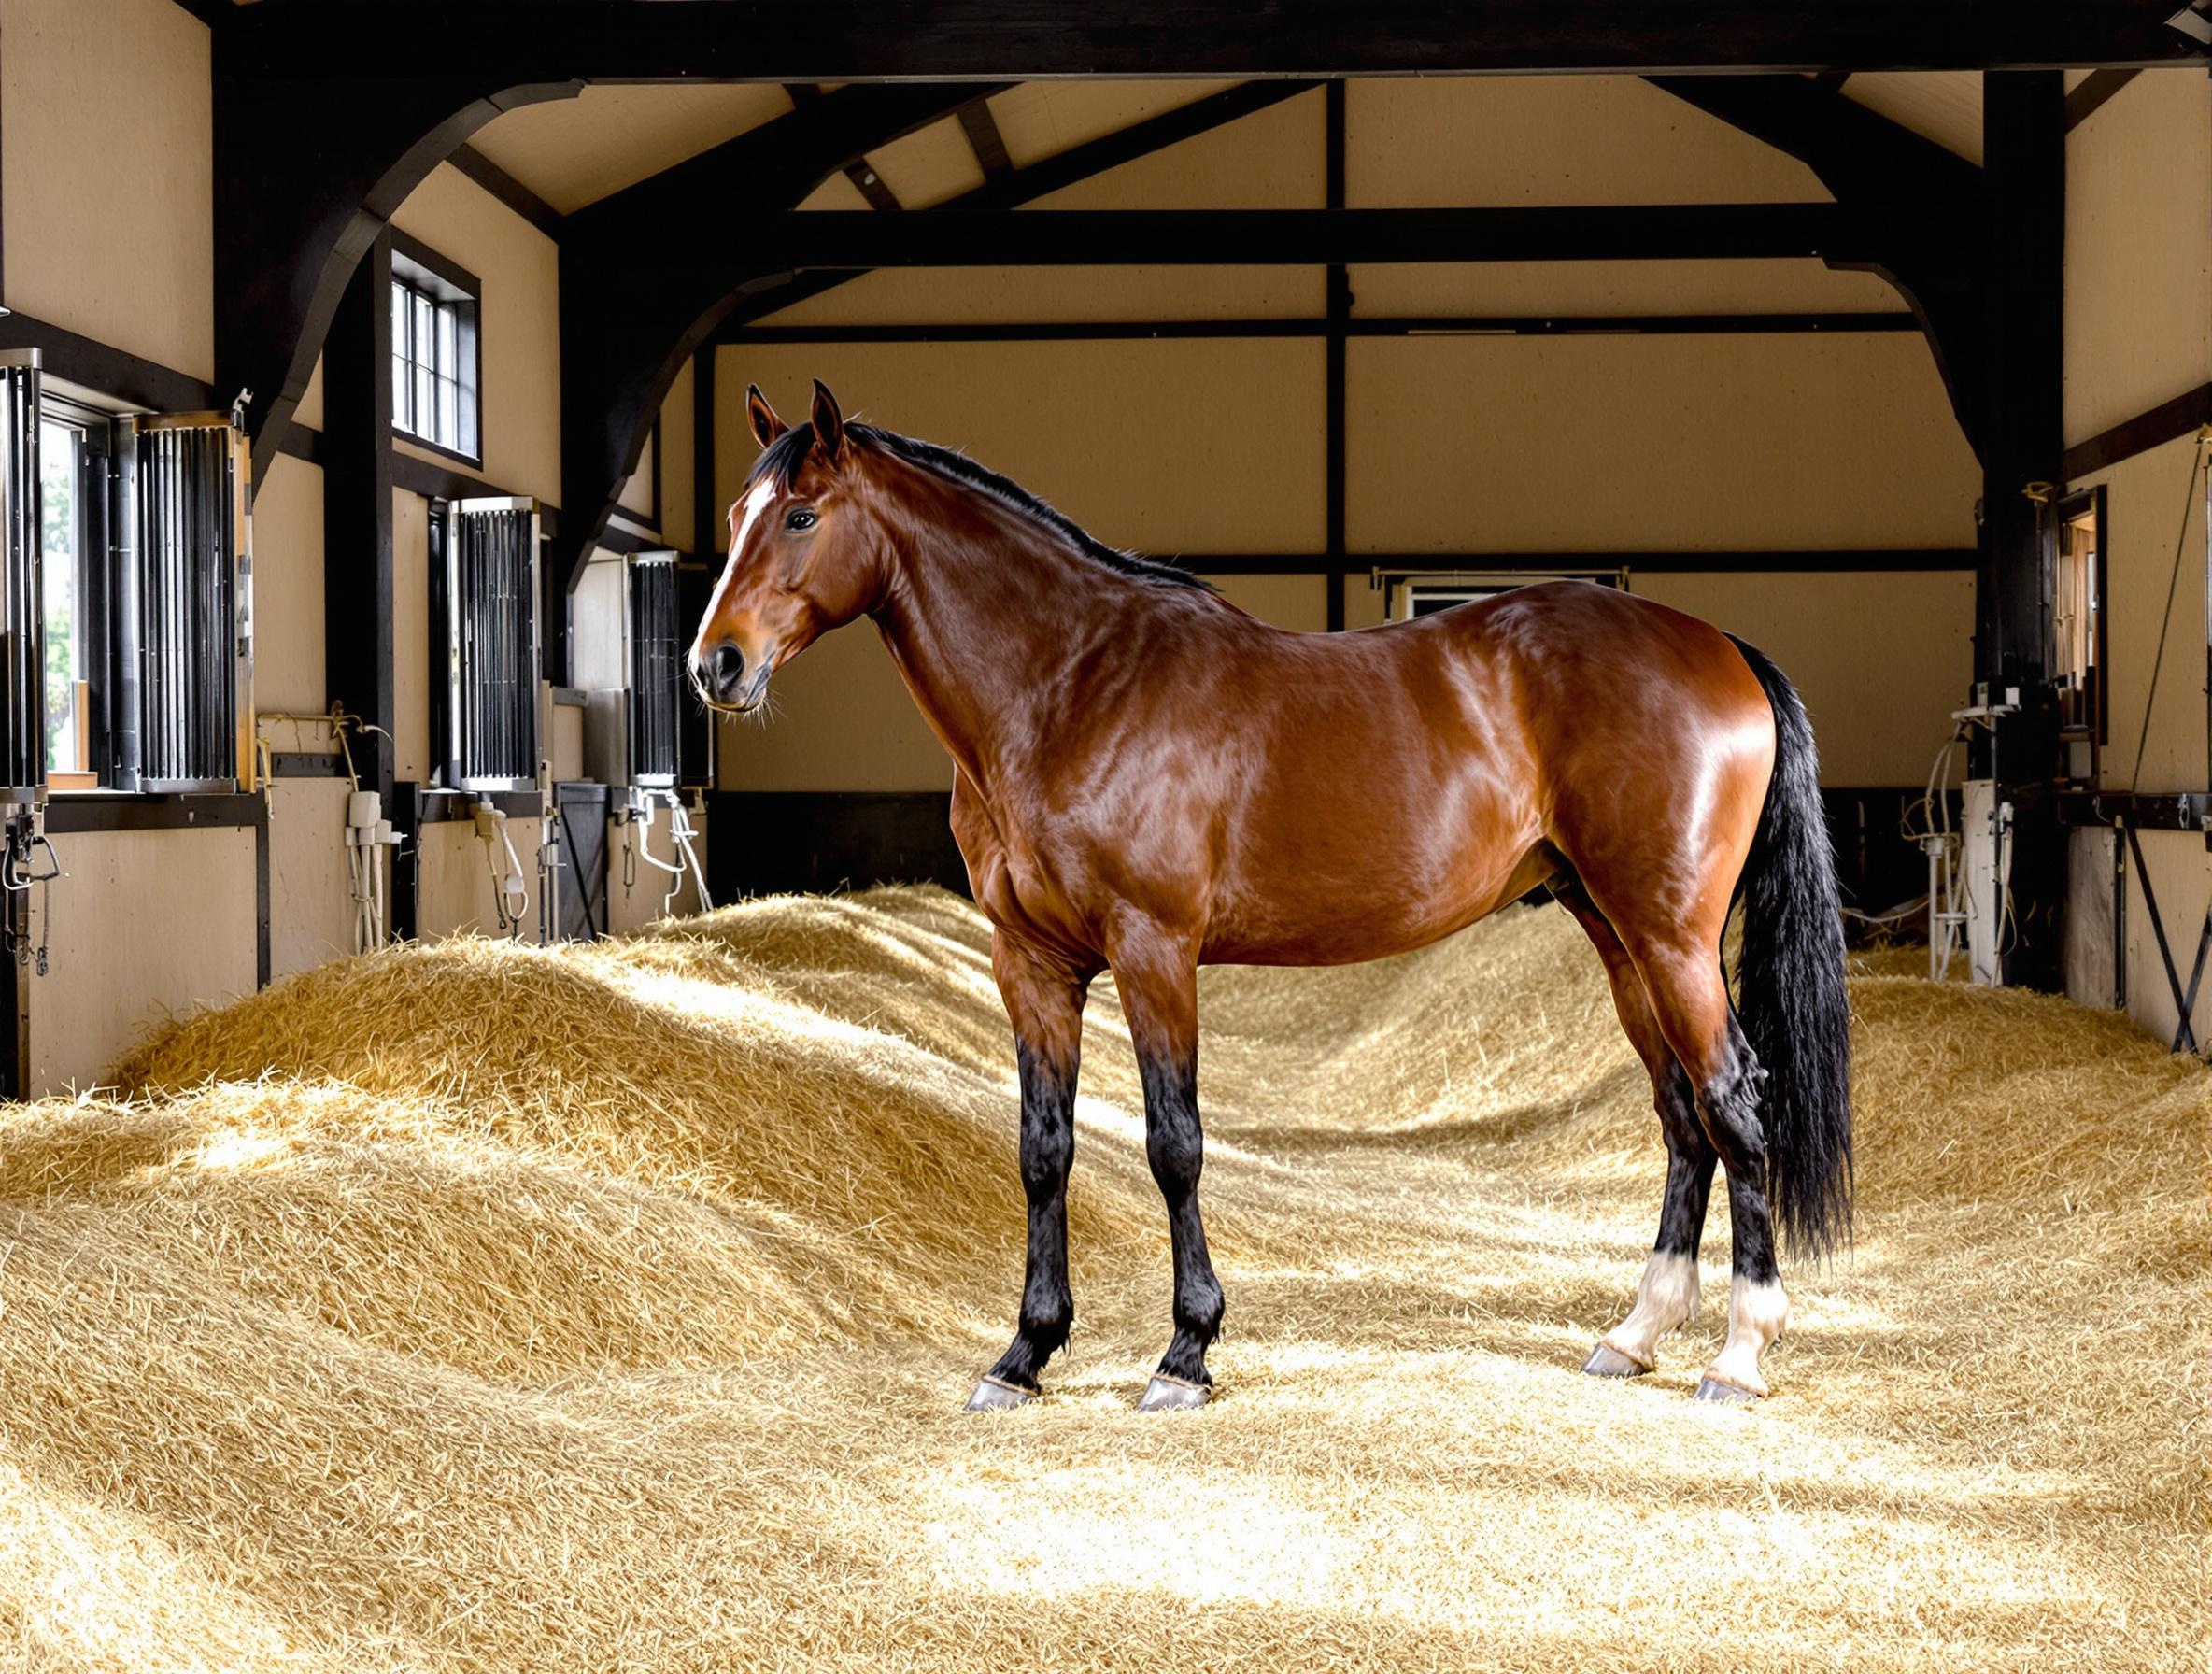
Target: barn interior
[[412, 990]]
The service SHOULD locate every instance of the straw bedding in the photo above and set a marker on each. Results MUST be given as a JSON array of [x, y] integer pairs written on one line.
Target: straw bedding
[[471, 1307]]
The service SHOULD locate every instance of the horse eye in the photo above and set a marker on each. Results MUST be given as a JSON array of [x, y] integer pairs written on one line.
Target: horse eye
[[799, 520]]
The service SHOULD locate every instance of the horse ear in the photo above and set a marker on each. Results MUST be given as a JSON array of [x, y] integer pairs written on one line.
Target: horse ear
[[767, 427], [828, 422]]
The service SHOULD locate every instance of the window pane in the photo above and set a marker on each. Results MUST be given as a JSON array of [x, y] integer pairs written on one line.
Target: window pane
[[449, 359], [59, 447], [426, 404], [449, 414]]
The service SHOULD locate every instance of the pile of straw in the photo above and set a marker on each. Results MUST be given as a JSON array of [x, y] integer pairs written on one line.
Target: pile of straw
[[473, 1306]]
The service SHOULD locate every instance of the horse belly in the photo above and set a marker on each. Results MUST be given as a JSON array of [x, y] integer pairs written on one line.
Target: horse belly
[[1334, 873]]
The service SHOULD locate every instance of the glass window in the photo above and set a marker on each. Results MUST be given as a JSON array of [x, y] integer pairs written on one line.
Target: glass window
[[61, 481], [433, 356]]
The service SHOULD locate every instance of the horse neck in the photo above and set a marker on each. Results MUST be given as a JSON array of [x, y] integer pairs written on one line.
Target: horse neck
[[982, 610]]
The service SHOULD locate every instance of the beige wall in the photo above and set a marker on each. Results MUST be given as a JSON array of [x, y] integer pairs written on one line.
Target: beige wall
[[310, 895], [287, 590], [146, 925], [1498, 141], [455, 883], [1665, 443], [107, 174], [519, 322], [1154, 446], [2138, 287]]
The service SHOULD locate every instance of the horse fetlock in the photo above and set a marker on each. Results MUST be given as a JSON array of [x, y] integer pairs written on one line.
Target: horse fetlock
[[1757, 1310], [1665, 1300]]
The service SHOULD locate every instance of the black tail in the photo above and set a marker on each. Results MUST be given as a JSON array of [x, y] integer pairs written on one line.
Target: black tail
[[1791, 1001]]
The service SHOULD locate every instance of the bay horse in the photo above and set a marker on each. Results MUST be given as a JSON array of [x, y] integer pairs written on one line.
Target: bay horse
[[1148, 779]]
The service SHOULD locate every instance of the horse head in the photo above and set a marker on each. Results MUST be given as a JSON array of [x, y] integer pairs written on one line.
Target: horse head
[[801, 560]]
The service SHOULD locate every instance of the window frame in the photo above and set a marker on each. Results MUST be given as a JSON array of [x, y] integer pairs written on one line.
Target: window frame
[[2065, 510], [99, 551], [423, 272]]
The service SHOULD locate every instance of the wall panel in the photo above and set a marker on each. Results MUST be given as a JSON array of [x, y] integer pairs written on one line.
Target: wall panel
[[310, 895], [1484, 141], [287, 590], [456, 879], [1535, 444], [107, 173], [131, 947], [1155, 445], [2138, 285]]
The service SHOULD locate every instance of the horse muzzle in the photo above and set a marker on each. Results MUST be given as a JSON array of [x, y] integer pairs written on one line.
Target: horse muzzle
[[726, 680]]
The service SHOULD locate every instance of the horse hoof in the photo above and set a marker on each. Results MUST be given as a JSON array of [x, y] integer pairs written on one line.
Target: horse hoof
[[1607, 1361], [1173, 1395], [1724, 1395], [996, 1395]]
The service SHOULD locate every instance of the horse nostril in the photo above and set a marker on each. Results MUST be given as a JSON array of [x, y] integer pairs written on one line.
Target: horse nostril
[[726, 667]]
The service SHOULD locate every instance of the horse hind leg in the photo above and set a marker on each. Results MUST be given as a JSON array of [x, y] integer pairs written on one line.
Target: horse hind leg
[[1666, 1297], [1690, 999]]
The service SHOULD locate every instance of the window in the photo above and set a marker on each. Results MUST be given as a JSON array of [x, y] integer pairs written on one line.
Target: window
[[182, 622], [484, 593], [22, 764], [2078, 614], [435, 364], [75, 454], [656, 667], [1424, 595]]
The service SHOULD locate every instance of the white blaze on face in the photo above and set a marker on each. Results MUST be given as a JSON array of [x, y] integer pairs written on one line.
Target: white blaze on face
[[755, 502], [1668, 1297]]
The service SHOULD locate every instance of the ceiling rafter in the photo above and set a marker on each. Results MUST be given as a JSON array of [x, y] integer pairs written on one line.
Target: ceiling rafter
[[1049, 175], [861, 173], [626, 326], [1919, 208]]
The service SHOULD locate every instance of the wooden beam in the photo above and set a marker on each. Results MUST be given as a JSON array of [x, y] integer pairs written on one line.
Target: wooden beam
[[800, 241], [359, 647], [2165, 422], [1923, 208], [507, 190], [627, 325], [1435, 325], [611, 387], [113, 371], [985, 140], [861, 173], [1337, 300], [862, 40], [2089, 96], [1758, 561]]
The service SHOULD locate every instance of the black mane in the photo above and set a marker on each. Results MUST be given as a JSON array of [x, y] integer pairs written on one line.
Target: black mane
[[782, 458]]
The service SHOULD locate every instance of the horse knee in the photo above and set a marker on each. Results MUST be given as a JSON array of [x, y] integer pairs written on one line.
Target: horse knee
[[1174, 1141], [1728, 1109], [1176, 1150]]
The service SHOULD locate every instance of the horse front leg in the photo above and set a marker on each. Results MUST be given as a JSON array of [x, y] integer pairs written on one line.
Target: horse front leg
[[1158, 978], [1045, 1004]]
